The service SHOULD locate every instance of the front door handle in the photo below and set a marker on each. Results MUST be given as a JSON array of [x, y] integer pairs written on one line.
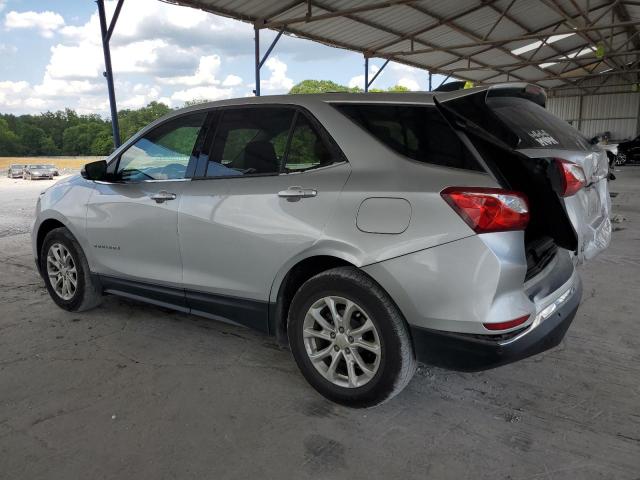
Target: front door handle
[[163, 196], [298, 192]]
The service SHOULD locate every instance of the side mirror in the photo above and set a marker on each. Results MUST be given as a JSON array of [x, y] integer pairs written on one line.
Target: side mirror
[[95, 170]]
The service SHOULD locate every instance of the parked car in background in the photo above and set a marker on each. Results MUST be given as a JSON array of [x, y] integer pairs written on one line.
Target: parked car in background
[[15, 170], [37, 171], [365, 231], [630, 150]]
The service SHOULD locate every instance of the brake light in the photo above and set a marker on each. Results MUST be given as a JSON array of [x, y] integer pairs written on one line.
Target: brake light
[[506, 325], [572, 175], [488, 209]]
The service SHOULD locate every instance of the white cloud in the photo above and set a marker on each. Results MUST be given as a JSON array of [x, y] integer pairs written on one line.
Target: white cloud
[[8, 49], [409, 83], [211, 92], [45, 22], [278, 82], [358, 80], [12, 93], [205, 74], [232, 81]]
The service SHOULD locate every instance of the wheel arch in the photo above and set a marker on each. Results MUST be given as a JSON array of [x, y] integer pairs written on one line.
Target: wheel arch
[[291, 281]]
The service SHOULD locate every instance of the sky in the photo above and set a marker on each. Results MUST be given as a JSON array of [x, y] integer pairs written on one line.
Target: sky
[[51, 58]]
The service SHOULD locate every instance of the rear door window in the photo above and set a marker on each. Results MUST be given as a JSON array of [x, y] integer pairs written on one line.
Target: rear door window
[[307, 148], [417, 132], [250, 141], [535, 126]]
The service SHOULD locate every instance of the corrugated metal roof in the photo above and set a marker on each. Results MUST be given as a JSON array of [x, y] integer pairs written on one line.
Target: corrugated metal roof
[[482, 40]]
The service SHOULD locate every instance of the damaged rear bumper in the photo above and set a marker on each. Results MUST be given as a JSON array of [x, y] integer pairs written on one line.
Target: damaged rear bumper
[[467, 352]]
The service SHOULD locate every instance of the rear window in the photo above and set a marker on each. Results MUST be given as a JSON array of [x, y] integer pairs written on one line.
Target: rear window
[[417, 132], [535, 126]]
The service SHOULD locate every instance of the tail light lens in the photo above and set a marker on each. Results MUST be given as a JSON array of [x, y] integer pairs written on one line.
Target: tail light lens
[[506, 325], [572, 175], [489, 209]]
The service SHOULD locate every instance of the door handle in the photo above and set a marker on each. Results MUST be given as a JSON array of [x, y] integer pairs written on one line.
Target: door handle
[[163, 196], [298, 192]]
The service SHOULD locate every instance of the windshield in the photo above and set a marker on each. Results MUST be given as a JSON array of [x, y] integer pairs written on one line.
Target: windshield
[[15, 165], [38, 166], [535, 126]]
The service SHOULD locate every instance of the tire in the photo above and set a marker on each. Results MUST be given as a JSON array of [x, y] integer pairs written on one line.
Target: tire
[[87, 293], [385, 375]]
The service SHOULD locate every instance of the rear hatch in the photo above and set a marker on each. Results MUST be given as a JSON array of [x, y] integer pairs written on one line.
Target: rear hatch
[[526, 145]]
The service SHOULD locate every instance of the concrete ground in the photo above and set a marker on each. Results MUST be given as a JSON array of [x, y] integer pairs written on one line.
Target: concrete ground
[[133, 391]]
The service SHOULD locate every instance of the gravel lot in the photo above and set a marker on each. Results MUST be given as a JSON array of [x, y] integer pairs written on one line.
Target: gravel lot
[[134, 391]]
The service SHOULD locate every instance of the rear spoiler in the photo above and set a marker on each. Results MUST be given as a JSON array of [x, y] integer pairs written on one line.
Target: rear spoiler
[[531, 92]]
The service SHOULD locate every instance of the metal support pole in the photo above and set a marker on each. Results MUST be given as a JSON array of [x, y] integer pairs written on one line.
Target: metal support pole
[[270, 49], [108, 73], [376, 75], [430, 79], [366, 74], [256, 39], [260, 63], [443, 81]]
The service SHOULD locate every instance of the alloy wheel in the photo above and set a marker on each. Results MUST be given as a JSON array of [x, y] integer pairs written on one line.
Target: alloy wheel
[[62, 272], [342, 342]]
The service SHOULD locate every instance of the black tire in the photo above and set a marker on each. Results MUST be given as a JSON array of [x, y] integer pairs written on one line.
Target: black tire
[[88, 293], [397, 360]]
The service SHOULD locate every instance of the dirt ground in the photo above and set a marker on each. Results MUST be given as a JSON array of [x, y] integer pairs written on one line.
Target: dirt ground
[[134, 391]]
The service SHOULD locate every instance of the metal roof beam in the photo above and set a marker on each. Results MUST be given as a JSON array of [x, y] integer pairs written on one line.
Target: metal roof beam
[[398, 34], [469, 34], [518, 38], [543, 43], [538, 62], [556, 7], [332, 14], [412, 35], [545, 29], [560, 77]]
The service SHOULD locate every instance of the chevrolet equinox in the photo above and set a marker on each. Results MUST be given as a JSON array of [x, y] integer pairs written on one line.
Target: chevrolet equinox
[[364, 231]]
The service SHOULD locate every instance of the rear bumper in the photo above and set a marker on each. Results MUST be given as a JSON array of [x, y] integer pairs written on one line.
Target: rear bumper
[[473, 353]]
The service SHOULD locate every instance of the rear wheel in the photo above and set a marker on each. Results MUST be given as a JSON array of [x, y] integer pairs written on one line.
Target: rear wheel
[[349, 339], [66, 272]]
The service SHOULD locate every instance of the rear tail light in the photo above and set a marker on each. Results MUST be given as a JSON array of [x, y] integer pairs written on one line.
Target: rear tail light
[[572, 175], [488, 209], [506, 325]]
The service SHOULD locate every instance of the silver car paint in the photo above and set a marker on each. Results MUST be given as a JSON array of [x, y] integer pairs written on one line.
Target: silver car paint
[[131, 236], [590, 208], [235, 236], [236, 233]]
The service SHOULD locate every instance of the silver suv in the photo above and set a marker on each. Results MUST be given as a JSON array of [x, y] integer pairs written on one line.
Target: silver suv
[[366, 232]]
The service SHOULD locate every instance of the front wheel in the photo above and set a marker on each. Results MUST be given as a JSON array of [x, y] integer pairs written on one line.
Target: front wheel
[[66, 272], [349, 339]]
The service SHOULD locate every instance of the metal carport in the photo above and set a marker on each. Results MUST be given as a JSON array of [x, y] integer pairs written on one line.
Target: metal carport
[[557, 44]]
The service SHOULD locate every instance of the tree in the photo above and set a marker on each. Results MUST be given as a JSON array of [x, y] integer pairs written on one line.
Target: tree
[[79, 139], [321, 86], [9, 141], [398, 88], [196, 101], [131, 121]]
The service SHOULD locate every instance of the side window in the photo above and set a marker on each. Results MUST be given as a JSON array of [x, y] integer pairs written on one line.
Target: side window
[[163, 153], [250, 141], [418, 132], [307, 149]]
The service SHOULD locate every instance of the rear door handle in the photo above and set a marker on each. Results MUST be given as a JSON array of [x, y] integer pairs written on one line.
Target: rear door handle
[[163, 196], [298, 192]]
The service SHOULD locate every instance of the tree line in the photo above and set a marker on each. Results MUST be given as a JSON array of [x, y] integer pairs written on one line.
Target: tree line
[[69, 133]]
